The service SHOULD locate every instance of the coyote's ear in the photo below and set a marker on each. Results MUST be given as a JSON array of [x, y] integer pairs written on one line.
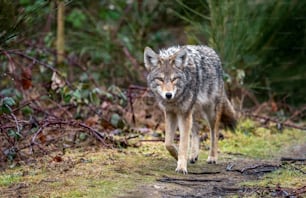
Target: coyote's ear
[[150, 58], [181, 58]]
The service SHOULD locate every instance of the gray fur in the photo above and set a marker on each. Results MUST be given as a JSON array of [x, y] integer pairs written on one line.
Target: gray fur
[[195, 77], [201, 79]]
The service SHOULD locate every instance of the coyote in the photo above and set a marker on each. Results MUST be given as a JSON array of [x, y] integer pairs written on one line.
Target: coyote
[[187, 80]]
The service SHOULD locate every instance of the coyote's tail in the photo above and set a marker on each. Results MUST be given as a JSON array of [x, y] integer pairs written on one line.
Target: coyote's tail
[[228, 116]]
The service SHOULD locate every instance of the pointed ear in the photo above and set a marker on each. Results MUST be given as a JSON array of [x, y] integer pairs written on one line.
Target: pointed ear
[[181, 58], [150, 58]]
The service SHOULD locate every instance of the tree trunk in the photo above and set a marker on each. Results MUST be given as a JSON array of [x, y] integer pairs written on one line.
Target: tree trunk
[[60, 42]]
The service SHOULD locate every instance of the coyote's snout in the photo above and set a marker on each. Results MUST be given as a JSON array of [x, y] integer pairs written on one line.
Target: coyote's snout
[[186, 80], [167, 89]]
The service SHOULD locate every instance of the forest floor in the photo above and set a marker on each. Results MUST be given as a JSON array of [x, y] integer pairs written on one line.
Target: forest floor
[[254, 162]]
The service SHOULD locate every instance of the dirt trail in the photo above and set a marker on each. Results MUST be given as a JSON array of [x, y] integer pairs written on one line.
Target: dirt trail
[[221, 180], [208, 181]]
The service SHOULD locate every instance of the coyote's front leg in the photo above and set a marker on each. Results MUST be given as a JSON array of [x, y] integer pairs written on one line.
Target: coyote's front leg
[[171, 125], [185, 124]]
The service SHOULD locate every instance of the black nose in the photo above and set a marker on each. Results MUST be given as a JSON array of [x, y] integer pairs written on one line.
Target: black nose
[[168, 95]]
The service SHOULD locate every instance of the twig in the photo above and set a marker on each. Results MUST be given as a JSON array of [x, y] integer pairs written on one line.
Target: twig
[[131, 104], [26, 103], [186, 181], [61, 108], [39, 130], [15, 119], [295, 114], [267, 119], [96, 133], [289, 159], [154, 140], [130, 57], [100, 136], [204, 173], [131, 95], [262, 168], [9, 140]]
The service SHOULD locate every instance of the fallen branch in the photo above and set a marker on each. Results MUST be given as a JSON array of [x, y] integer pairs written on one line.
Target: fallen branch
[[297, 113], [230, 190], [99, 135], [153, 140], [268, 119], [257, 169], [289, 159], [204, 173], [186, 181]]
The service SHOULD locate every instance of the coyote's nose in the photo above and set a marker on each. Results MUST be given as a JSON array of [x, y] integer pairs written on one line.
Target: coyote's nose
[[168, 95]]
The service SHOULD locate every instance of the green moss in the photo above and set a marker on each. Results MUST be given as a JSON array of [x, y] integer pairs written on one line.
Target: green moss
[[8, 179], [287, 176], [102, 173], [258, 142], [254, 141]]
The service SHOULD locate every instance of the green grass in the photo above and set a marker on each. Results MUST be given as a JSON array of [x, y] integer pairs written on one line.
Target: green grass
[[8, 179], [106, 173], [286, 176], [257, 142]]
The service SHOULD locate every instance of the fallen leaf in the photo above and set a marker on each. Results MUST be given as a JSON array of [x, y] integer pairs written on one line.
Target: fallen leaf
[[57, 159], [92, 120], [57, 81], [26, 78]]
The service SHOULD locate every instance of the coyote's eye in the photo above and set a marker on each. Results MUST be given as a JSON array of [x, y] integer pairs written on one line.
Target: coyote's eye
[[159, 79], [174, 79]]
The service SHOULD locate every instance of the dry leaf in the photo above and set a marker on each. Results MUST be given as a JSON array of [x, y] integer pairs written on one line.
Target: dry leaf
[[57, 81], [26, 78], [57, 159], [92, 120]]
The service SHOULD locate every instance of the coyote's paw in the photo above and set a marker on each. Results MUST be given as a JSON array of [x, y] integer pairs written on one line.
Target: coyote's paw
[[212, 160], [181, 167], [193, 159]]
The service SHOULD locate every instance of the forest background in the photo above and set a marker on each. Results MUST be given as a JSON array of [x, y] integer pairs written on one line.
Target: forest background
[[76, 118], [80, 63]]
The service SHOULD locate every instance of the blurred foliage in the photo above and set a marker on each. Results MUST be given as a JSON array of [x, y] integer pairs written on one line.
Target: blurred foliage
[[261, 43], [20, 19], [102, 33], [5, 105]]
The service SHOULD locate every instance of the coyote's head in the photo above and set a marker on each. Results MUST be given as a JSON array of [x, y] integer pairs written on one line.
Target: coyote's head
[[166, 77]]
